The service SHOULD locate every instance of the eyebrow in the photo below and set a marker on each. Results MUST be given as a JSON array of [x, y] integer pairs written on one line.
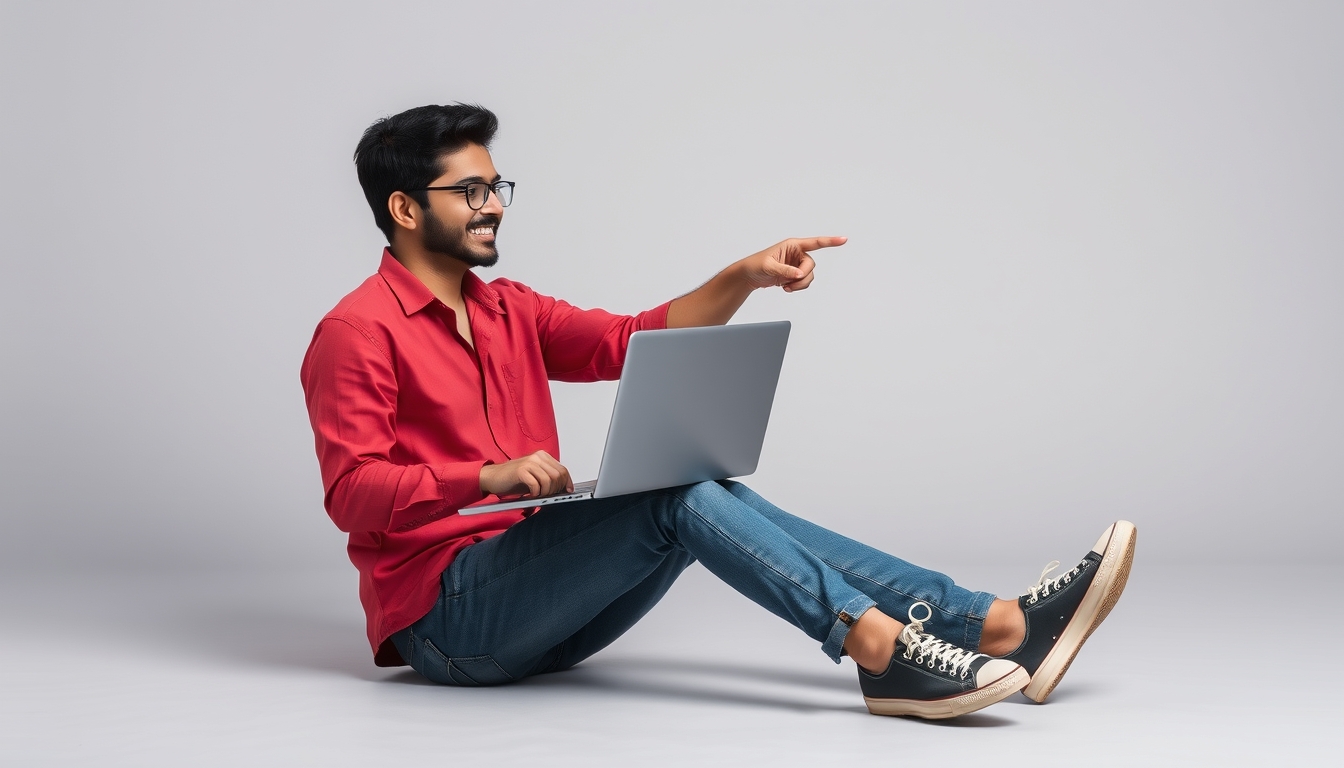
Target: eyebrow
[[470, 179]]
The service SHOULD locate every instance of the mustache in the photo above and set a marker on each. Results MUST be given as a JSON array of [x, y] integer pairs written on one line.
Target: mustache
[[484, 221]]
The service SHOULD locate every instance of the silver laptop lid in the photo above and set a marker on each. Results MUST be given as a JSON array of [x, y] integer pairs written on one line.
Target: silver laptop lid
[[692, 405]]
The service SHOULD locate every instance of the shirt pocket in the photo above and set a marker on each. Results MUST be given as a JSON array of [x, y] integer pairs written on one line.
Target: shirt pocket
[[531, 399]]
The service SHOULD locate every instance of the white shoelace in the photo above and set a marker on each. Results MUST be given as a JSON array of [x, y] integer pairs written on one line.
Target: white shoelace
[[930, 651], [1045, 586]]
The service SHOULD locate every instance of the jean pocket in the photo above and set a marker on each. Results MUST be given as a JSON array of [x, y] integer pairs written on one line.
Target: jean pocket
[[477, 670], [428, 661]]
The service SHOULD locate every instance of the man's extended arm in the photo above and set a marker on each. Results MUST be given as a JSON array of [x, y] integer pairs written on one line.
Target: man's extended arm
[[785, 264]]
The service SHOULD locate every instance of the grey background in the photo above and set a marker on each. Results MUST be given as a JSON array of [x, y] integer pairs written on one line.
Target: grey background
[[1094, 268], [1094, 271]]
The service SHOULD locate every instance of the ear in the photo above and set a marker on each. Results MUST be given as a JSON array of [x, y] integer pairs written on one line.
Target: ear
[[405, 211]]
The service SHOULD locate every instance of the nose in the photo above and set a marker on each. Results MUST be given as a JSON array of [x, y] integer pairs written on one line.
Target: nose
[[492, 205]]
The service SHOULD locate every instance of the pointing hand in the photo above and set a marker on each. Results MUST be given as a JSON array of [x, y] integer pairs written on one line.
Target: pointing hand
[[788, 264]]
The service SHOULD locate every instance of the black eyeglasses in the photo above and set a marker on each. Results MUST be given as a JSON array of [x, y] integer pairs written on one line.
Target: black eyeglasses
[[477, 192]]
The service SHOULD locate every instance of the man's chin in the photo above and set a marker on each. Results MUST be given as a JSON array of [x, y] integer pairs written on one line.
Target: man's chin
[[477, 260], [472, 259]]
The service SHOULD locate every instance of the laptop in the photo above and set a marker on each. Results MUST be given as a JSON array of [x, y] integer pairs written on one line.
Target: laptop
[[692, 405]]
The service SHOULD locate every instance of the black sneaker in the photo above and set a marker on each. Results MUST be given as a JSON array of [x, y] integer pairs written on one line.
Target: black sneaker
[[933, 679], [1062, 612]]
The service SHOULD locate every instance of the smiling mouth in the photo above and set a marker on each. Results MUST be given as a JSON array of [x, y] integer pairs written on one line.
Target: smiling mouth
[[485, 230]]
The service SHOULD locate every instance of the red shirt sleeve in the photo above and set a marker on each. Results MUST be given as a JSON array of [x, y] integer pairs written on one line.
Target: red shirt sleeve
[[588, 344], [351, 390]]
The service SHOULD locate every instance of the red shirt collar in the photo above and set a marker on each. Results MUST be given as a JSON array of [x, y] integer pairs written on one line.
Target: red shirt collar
[[414, 296]]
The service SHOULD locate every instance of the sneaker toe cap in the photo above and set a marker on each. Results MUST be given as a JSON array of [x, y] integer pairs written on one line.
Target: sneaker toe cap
[[1120, 529], [994, 669]]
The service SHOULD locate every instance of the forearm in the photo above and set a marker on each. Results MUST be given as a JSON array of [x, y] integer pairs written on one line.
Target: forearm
[[380, 496], [713, 303], [786, 265]]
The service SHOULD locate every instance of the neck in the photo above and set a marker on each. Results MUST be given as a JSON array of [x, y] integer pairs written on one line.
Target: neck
[[441, 274]]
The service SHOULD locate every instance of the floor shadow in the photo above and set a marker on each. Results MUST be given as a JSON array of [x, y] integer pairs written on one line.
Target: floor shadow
[[408, 676], [631, 677], [610, 677], [647, 678], [1066, 692], [258, 630], [623, 677], [258, 636], [723, 669], [623, 680], [973, 720]]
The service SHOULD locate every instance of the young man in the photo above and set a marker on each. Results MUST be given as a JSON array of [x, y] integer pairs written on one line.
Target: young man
[[427, 390]]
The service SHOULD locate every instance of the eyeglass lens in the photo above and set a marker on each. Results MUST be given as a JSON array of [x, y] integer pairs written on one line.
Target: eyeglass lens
[[479, 192]]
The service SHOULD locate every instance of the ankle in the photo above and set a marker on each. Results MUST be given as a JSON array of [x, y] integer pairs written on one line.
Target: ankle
[[1004, 630], [872, 640]]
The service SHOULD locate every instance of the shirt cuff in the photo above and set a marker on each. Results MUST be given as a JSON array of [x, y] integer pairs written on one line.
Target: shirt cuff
[[654, 319], [441, 491], [460, 483]]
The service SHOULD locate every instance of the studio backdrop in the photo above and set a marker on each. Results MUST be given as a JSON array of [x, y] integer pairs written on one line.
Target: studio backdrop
[[1094, 270]]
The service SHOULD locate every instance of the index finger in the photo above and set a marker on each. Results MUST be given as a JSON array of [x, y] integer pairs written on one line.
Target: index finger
[[813, 243]]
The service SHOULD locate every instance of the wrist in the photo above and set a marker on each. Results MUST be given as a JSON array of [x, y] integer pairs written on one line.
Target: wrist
[[486, 478], [738, 275]]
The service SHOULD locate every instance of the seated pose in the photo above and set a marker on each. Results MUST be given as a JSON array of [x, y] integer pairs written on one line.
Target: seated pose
[[427, 390]]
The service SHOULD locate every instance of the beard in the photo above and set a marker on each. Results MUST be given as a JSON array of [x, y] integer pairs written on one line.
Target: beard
[[439, 239]]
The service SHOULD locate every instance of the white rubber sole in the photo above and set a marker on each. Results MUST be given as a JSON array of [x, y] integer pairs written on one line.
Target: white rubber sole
[[1117, 555], [939, 709]]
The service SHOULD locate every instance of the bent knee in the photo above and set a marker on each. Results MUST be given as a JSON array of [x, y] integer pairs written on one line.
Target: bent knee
[[708, 489], [734, 487]]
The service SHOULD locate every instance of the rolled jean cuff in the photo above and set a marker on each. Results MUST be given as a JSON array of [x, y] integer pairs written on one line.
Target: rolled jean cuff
[[980, 604], [835, 641]]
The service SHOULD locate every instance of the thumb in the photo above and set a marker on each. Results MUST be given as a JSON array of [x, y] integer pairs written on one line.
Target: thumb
[[776, 268]]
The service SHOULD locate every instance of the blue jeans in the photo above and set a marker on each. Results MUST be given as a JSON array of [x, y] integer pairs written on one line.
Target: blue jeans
[[564, 583]]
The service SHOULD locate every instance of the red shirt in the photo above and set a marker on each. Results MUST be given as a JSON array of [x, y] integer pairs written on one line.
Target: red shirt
[[405, 413]]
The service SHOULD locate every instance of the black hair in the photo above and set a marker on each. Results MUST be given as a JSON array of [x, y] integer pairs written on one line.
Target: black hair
[[404, 152]]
